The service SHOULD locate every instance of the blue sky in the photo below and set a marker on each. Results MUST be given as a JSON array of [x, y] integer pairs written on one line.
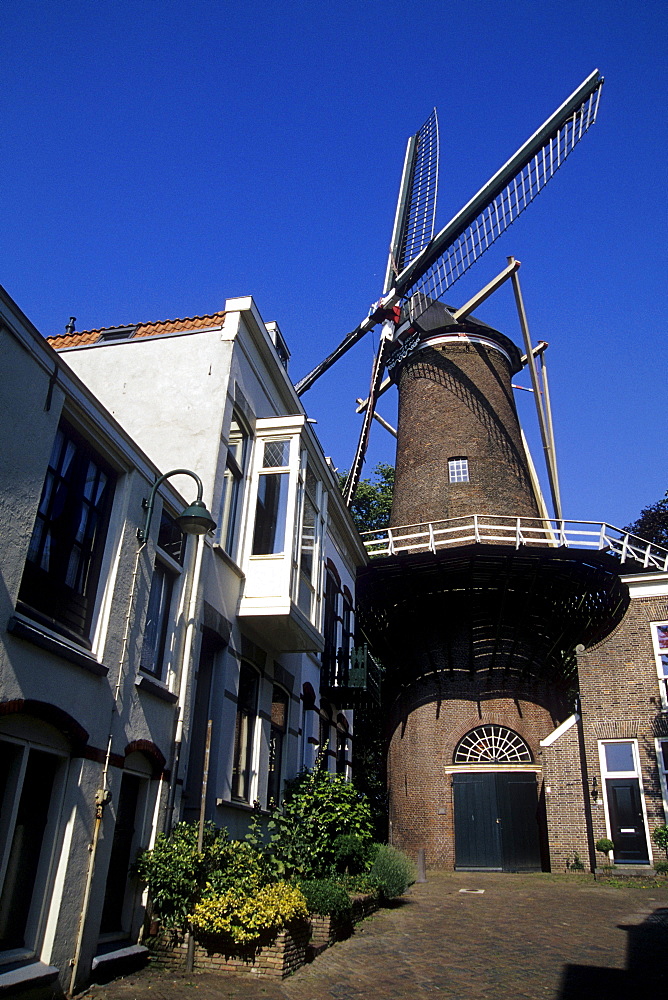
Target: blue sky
[[160, 156]]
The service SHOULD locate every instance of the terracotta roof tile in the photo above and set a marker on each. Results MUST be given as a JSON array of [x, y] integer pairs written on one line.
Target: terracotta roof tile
[[82, 337]]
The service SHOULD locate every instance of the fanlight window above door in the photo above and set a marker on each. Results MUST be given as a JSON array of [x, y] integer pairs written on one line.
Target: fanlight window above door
[[492, 744]]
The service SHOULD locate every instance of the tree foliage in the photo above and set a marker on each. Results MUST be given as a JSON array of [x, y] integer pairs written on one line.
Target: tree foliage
[[318, 807], [652, 524], [373, 500]]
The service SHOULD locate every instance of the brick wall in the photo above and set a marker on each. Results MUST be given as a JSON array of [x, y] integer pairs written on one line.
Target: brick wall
[[456, 400], [427, 723], [565, 803], [621, 700], [276, 959]]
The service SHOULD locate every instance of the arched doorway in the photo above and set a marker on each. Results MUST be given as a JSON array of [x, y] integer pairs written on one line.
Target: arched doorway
[[495, 802]]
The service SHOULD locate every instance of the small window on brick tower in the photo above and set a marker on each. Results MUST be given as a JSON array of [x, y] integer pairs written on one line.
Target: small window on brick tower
[[458, 469]]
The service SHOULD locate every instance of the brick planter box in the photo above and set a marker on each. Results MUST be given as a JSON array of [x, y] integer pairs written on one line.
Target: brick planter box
[[278, 957]]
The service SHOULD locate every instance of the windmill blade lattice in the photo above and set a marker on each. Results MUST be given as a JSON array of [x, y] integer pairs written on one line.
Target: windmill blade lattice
[[496, 206], [416, 207]]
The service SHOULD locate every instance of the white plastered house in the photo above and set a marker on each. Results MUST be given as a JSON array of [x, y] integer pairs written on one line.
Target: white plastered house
[[250, 627]]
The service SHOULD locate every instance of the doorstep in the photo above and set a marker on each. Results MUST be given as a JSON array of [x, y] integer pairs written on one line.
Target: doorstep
[[110, 964], [27, 977]]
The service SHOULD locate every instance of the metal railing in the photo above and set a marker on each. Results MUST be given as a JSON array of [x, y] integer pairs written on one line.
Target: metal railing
[[516, 531], [352, 676]]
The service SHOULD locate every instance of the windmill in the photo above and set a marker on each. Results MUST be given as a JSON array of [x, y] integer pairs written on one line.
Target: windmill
[[421, 267]]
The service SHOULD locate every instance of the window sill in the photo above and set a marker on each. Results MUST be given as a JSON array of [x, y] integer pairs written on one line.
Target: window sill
[[27, 977], [156, 688], [228, 560], [240, 805], [40, 636]]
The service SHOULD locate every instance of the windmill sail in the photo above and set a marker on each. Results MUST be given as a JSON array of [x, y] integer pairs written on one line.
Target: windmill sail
[[486, 216], [496, 206], [416, 206]]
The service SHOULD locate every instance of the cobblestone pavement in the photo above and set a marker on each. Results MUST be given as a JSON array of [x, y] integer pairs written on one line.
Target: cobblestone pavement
[[526, 937]]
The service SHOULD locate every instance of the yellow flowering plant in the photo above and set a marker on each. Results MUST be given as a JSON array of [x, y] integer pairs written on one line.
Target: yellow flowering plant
[[246, 916]]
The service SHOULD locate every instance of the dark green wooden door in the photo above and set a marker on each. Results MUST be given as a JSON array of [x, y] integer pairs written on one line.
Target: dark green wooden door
[[496, 821]]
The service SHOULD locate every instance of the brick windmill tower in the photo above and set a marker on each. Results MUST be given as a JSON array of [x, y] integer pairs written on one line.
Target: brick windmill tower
[[474, 599]]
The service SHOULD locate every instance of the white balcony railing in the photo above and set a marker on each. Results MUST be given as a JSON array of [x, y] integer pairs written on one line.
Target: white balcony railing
[[517, 531]]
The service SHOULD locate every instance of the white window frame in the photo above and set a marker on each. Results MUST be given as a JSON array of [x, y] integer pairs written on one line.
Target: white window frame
[[458, 469], [167, 666], [270, 470], [234, 490], [663, 774], [661, 667], [44, 876], [636, 773], [319, 502]]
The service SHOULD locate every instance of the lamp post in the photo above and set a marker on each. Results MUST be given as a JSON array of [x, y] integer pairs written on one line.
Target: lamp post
[[194, 520]]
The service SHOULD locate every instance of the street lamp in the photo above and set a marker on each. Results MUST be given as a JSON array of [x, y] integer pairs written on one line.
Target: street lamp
[[194, 520]]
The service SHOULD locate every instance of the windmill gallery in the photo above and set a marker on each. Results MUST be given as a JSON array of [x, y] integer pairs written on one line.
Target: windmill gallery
[[525, 689]]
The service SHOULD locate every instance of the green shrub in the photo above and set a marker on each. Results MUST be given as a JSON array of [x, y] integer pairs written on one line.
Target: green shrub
[[661, 867], [237, 864], [318, 807], [392, 871], [326, 896], [247, 916], [364, 883], [176, 873], [604, 845], [660, 837], [351, 853]]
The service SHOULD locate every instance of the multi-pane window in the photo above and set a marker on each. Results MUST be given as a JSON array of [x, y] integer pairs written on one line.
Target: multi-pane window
[[272, 499], [308, 542], [231, 500], [158, 616], [29, 783], [458, 470], [346, 637], [279, 725], [64, 556], [492, 743], [662, 756], [660, 642], [331, 626], [338, 630], [341, 748], [243, 733]]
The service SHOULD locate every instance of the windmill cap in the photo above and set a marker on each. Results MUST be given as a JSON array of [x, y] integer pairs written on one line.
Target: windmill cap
[[438, 318]]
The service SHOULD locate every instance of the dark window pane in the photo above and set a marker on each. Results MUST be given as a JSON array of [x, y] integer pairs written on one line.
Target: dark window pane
[[62, 568], [243, 733], [170, 538], [26, 847], [157, 620], [270, 512], [664, 754]]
